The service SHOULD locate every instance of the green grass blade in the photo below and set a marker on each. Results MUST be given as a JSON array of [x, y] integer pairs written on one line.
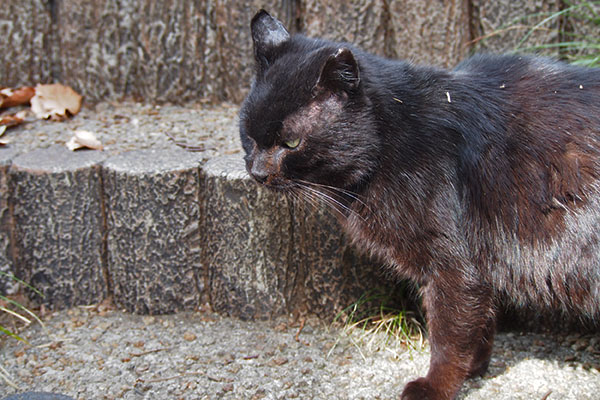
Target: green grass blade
[[22, 282], [13, 335], [22, 308], [15, 314], [540, 24]]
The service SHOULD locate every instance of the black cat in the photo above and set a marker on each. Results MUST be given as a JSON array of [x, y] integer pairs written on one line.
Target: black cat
[[480, 183]]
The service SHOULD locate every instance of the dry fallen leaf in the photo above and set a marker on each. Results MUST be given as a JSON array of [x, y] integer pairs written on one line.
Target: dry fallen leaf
[[15, 97], [13, 119], [2, 130], [55, 101], [84, 139]]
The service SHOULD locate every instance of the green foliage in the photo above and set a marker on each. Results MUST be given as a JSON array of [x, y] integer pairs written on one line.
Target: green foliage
[[377, 320], [17, 310], [578, 38]]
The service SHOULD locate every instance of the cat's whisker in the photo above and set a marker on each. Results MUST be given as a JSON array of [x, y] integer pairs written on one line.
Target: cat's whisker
[[314, 197], [306, 196], [297, 194], [311, 197], [336, 191], [349, 193], [328, 199]]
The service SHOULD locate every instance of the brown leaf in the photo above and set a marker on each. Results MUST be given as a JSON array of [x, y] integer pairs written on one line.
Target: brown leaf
[[13, 119], [2, 141], [15, 97], [55, 101]]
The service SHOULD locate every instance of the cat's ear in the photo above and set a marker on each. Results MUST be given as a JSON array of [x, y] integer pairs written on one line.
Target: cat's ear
[[267, 34], [340, 72]]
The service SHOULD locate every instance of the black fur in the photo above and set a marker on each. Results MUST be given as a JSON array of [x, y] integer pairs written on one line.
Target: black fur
[[480, 183]]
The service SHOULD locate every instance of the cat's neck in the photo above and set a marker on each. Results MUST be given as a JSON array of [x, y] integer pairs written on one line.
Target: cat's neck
[[416, 172]]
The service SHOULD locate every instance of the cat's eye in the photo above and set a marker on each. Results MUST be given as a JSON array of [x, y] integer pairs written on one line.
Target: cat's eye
[[292, 144]]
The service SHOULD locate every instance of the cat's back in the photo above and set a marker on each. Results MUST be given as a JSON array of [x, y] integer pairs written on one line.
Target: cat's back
[[529, 167], [536, 109], [517, 66], [538, 82]]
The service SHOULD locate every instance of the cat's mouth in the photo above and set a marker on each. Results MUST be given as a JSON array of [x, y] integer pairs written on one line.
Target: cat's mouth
[[273, 182], [280, 188]]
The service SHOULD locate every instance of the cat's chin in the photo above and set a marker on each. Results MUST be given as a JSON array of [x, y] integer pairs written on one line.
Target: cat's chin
[[279, 186]]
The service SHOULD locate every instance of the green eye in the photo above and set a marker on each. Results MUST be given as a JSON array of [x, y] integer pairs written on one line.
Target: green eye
[[292, 144]]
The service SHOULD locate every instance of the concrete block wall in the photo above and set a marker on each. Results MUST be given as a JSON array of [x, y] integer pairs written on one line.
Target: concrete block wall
[[163, 231], [179, 51]]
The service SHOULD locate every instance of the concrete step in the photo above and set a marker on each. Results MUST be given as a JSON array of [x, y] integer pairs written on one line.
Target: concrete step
[[161, 229]]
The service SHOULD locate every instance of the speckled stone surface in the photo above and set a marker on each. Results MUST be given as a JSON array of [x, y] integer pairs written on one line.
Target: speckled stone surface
[[7, 285], [38, 396], [152, 216], [56, 198], [94, 353], [127, 126], [246, 238]]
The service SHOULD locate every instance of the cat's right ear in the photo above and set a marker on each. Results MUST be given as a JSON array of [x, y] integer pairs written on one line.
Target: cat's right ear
[[340, 72], [267, 34]]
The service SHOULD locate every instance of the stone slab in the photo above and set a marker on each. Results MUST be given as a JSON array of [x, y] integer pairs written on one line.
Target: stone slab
[[58, 219], [266, 255], [229, 57], [171, 51], [152, 230], [332, 273], [150, 50]]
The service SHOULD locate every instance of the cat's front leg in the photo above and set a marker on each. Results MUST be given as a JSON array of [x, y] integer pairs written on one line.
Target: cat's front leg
[[460, 318]]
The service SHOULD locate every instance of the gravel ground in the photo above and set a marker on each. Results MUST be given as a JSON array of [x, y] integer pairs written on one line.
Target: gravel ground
[[95, 353]]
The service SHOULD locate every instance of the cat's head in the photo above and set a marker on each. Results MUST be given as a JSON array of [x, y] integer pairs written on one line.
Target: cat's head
[[307, 118]]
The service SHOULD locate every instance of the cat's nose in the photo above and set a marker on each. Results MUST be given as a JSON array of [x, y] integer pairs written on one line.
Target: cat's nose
[[261, 167], [260, 175]]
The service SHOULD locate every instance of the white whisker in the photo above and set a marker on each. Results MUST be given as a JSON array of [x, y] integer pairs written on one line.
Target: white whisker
[[336, 190], [321, 192]]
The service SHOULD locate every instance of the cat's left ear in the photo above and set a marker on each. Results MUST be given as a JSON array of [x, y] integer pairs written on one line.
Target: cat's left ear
[[340, 71], [267, 34]]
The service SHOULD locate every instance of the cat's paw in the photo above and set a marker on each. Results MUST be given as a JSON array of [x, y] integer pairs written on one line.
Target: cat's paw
[[419, 389], [478, 370]]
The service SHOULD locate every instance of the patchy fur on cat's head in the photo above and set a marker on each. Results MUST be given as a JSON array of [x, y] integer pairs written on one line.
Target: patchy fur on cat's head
[[307, 117]]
